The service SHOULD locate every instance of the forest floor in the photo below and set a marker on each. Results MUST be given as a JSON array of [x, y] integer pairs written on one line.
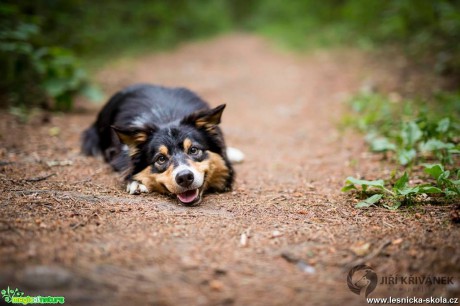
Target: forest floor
[[286, 234]]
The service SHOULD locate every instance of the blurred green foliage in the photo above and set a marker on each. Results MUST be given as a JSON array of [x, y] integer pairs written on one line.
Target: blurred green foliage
[[113, 27], [34, 72], [413, 134], [411, 131], [39, 39], [422, 27]]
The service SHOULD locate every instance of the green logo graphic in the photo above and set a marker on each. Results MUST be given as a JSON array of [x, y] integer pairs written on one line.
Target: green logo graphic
[[9, 294], [16, 296]]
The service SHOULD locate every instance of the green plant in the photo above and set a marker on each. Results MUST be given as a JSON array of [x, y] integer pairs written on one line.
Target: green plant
[[422, 28], [400, 192], [450, 187], [62, 76], [418, 138], [34, 73], [409, 135]]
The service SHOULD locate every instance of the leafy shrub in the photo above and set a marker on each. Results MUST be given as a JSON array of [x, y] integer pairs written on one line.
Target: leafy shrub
[[35, 73], [412, 137], [409, 134], [401, 192], [95, 29]]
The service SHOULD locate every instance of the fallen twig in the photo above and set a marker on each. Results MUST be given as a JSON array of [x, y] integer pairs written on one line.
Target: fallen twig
[[40, 178], [376, 252]]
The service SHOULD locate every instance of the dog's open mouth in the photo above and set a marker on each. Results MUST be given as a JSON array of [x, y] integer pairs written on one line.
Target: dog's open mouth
[[189, 197]]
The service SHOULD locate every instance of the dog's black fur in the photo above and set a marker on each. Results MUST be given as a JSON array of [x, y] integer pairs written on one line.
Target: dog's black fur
[[142, 120]]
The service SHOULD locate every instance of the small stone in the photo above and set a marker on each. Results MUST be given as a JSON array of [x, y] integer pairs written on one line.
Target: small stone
[[276, 234], [243, 240], [216, 285], [306, 268]]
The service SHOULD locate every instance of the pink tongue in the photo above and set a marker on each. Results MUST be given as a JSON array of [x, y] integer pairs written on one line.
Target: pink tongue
[[188, 196]]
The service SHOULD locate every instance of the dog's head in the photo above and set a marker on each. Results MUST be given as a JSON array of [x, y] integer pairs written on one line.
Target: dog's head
[[184, 158]]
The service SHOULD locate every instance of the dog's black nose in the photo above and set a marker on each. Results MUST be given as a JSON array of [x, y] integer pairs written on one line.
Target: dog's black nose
[[184, 178]]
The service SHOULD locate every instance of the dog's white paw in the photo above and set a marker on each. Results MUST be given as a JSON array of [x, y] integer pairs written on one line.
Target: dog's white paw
[[235, 155], [135, 187]]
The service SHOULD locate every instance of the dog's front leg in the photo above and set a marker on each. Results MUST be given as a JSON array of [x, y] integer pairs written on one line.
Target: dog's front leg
[[136, 187]]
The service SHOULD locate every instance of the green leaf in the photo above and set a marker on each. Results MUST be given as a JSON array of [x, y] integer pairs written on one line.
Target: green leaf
[[435, 170], [410, 134], [434, 145], [449, 192], [382, 145], [402, 182], [348, 188], [443, 125], [429, 189], [93, 93], [364, 183], [55, 87], [444, 176], [408, 191], [369, 201], [406, 156]]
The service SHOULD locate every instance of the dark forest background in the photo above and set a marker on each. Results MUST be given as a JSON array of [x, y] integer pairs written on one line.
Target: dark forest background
[[47, 46]]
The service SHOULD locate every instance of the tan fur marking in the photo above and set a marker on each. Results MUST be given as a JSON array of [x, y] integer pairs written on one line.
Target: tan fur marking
[[157, 181], [201, 122], [215, 170], [147, 178], [187, 144], [163, 150], [133, 151], [208, 126], [140, 137], [133, 140], [220, 172]]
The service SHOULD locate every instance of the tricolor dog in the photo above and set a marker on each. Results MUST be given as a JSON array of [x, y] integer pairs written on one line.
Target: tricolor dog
[[167, 140]]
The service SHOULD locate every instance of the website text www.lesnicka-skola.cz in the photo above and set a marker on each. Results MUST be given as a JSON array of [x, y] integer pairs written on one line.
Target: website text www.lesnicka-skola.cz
[[413, 300]]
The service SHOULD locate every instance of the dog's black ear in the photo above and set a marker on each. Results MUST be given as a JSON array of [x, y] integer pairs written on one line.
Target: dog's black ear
[[205, 119], [134, 136]]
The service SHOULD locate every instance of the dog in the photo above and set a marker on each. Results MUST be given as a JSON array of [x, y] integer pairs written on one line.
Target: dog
[[165, 140]]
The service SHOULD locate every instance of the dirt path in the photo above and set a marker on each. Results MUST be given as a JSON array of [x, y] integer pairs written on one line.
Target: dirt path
[[97, 245]]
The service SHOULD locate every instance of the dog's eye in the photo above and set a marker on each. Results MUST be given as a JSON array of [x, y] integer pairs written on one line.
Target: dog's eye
[[194, 151], [161, 160]]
